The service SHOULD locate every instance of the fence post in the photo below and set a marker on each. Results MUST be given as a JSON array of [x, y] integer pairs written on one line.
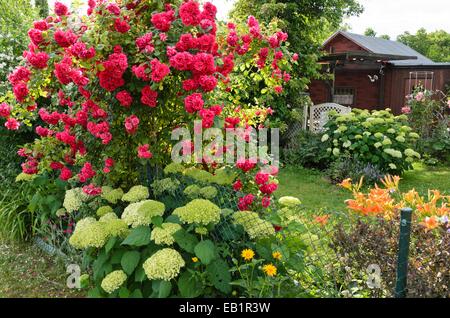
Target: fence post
[[403, 252]]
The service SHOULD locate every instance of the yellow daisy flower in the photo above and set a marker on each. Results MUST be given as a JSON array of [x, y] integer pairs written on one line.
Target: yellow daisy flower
[[277, 255], [247, 254], [269, 270]]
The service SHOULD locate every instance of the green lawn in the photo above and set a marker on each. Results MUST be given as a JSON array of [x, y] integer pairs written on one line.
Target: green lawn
[[27, 272], [316, 192]]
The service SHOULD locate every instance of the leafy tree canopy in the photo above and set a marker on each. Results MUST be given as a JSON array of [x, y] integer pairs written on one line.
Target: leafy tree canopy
[[435, 45]]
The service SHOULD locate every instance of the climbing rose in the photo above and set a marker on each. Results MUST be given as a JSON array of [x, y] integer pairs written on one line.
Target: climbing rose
[[162, 21], [190, 13], [12, 124], [61, 9], [193, 103], [261, 178], [65, 174], [131, 124], [5, 110], [143, 152], [149, 97], [121, 26], [124, 98], [20, 91], [92, 190], [237, 186], [159, 70], [38, 60]]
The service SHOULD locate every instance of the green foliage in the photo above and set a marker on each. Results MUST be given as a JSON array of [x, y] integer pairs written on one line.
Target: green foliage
[[434, 45], [313, 21], [346, 167], [428, 114], [307, 150], [15, 21], [376, 137]]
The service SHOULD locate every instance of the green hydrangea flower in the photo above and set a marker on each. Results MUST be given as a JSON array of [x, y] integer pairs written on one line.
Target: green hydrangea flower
[[164, 234], [112, 195], [378, 135], [113, 281], [192, 191], [103, 210], [391, 130], [387, 142], [174, 168], [288, 201], [325, 137], [411, 153], [394, 153], [208, 192], [116, 228], [163, 265], [199, 175], [255, 227], [400, 139], [223, 176], [108, 216], [141, 213], [25, 177], [136, 194], [199, 211], [88, 233], [74, 199], [414, 135], [166, 185], [336, 152]]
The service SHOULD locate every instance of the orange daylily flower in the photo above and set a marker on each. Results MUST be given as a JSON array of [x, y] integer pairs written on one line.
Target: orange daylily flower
[[322, 220], [430, 223], [346, 184]]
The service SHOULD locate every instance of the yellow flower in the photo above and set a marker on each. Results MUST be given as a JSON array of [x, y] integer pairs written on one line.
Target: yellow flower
[[195, 259], [346, 184], [277, 255], [269, 270], [247, 254]]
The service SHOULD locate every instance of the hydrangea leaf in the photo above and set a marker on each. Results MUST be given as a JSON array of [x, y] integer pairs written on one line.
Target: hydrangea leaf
[[219, 275], [185, 240], [139, 236], [189, 286], [205, 251], [129, 261]]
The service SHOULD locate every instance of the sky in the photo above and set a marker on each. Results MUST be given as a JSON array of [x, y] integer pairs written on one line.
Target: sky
[[391, 17]]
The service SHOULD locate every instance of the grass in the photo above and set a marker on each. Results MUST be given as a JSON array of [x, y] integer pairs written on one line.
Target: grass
[[316, 192], [312, 188], [27, 272]]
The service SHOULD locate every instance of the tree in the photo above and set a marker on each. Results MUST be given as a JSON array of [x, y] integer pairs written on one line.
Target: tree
[[15, 20], [370, 32], [434, 45], [373, 33], [42, 5], [309, 23]]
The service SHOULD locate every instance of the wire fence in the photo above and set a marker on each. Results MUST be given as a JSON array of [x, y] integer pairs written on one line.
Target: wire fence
[[338, 254]]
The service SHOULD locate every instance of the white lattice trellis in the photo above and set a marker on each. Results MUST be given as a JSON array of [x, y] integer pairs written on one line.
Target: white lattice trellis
[[318, 114]]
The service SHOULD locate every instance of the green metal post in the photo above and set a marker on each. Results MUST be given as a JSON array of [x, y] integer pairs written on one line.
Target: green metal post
[[403, 253]]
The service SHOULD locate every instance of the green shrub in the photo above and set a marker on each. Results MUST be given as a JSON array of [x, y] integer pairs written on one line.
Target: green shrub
[[307, 151], [345, 167], [375, 137]]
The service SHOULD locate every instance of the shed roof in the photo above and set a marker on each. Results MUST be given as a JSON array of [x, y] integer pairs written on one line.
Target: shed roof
[[388, 47]]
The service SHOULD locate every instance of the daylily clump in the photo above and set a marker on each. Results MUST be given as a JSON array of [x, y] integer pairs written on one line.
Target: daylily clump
[[386, 201]]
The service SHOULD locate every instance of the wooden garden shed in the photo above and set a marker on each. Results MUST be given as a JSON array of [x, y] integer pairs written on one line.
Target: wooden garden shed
[[374, 73]]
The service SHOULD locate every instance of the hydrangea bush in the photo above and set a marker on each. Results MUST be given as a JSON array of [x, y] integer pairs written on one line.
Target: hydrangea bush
[[376, 137]]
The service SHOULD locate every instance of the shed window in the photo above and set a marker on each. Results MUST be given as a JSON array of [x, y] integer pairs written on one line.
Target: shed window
[[344, 96]]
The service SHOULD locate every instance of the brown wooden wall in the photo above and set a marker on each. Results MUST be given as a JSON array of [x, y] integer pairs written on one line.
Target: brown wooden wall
[[397, 85], [340, 44]]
